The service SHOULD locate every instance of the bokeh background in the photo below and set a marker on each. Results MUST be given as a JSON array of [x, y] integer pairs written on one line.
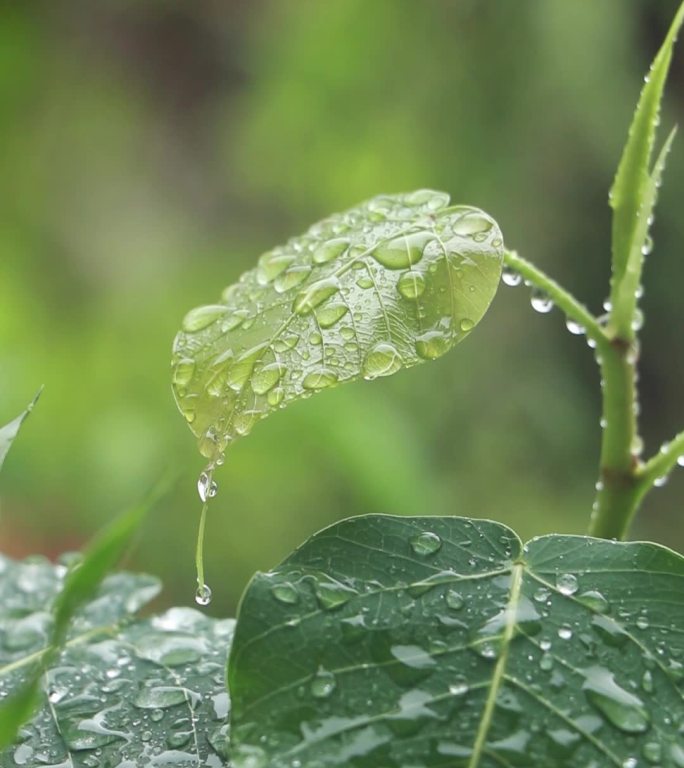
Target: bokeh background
[[151, 150]]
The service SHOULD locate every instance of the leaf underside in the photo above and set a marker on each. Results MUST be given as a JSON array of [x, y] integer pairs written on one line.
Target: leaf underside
[[124, 692], [431, 642], [398, 280]]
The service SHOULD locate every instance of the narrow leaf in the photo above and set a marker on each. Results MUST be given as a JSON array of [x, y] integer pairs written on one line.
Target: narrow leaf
[[387, 641], [10, 431], [398, 280], [632, 178]]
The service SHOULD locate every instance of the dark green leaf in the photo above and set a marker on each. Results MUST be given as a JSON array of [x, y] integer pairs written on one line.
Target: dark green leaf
[[123, 691], [384, 286], [431, 642], [10, 431]]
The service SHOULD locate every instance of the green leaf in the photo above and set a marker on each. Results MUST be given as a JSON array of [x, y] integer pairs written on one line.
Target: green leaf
[[79, 585], [387, 641], [123, 691], [629, 197], [10, 431], [391, 283]]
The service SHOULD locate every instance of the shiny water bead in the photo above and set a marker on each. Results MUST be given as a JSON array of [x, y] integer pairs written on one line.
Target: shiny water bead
[[540, 301], [203, 595], [332, 249], [199, 318], [402, 251], [382, 360], [511, 278]]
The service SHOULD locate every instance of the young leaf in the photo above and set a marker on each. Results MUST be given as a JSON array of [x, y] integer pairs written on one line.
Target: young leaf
[[444, 642], [10, 431], [629, 196], [123, 691], [395, 281]]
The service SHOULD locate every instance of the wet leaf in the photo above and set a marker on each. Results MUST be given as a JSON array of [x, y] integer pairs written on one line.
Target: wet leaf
[[10, 431], [388, 641], [396, 281], [123, 691]]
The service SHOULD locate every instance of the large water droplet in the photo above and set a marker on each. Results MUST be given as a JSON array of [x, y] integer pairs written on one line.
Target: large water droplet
[[330, 250], [471, 224], [203, 595], [594, 600], [426, 543], [432, 345], [540, 301], [292, 278], [511, 278], [411, 284], [199, 318], [330, 314], [206, 487], [323, 684], [313, 296], [382, 360], [402, 251], [285, 592], [620, 707], [320, 379], [265, 378], [183, 373], [567, 584]]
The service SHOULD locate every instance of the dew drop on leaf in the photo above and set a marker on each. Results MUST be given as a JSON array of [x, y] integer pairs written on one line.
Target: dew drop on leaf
[[426, 543]]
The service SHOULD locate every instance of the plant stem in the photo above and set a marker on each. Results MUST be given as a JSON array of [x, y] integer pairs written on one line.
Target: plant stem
[[618, 489], [662, 463], [561, 298]]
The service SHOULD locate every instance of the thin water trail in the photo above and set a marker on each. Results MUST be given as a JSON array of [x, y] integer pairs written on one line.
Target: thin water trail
[[206, 488]]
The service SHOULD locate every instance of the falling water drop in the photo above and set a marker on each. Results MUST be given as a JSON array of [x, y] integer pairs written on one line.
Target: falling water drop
[[574, 327], [206, 487], [203, 595]]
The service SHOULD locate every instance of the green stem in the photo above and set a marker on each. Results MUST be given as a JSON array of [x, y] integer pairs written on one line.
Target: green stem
[[567, 303], [660, 465], [618, 489]]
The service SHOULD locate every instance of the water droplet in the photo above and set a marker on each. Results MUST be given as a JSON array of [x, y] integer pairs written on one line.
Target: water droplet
[[459, 687], [540, 301], [659, 482], [411, 284], [471, 224], [454, 600], [565, 632], [203, 595], [323, 684], [206, 487], [594, 600], [426, 543], [160, 697], [402, 251], [332, 595], [365, 282], [382, 360], [292, 278], [511, 278], [432, 345], [285, 592], [428, 198], [647, 681], [542, 594], [680, 460], [330, 314], [313, 296], [183, 373], [271, 264], [199, 318], [275, 397], [566, 584], [653, 752], [466, 325], [642, 622], [320, 379], [330, 250], [620, 707], [265, 378], [574, 327]]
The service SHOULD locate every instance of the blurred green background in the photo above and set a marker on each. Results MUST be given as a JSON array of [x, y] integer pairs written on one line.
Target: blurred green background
[[150, 151]]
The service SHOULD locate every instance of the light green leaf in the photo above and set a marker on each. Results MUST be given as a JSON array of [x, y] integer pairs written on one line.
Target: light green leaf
[[387, 641], [123, 691], [10, 431], [629, 197], [398, 280]]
